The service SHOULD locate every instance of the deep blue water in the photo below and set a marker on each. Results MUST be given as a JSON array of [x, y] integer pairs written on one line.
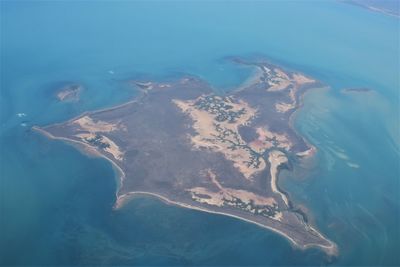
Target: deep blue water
[[56, 204]]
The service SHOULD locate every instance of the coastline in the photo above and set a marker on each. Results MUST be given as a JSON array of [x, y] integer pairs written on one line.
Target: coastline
[[124, 198], [253, 79], [274, 171], [372, 8], [121, 199], [88, 150], [330, 250], [312, 149]]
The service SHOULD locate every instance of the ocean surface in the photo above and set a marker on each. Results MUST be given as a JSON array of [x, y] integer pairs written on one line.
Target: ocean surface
[[56, 203]]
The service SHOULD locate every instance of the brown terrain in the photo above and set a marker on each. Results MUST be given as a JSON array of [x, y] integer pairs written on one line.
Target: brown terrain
[[221, 154]]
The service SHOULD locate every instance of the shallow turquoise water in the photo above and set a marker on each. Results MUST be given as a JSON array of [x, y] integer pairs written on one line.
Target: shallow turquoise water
[[56, 204]]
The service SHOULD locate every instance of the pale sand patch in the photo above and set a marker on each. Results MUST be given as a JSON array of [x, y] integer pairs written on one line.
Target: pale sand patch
[[255, 78], [266, 70], [278, 82], [353, 165], [292, 95], [241, 194], [341, 155], [112, 148], [219, 198], [284, 107], [276, 158], [281, 74], [259, 145], [63, 95], [144, 85], [164, 85], [278, 216], [281, 81], [301, 79], [205, 127], [88, 124], [86, 135], [307, 153], [69, 93], [247, 196], [184, 80], [267, 138], [213, 178]]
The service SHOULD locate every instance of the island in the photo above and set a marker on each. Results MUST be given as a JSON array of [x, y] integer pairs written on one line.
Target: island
[[185, 144], [69, 93]]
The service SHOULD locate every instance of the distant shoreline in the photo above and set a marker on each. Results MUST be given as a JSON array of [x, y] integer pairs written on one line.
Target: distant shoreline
[[372, 8]]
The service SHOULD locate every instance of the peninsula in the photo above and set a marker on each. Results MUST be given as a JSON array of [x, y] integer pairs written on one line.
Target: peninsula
[[187, 145]]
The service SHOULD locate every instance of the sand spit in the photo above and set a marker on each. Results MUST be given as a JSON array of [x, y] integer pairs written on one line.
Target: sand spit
[[109, 146], [267, 139], [227, 196], [276, 159], [86, 148], [86, 123], [330, 249]]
